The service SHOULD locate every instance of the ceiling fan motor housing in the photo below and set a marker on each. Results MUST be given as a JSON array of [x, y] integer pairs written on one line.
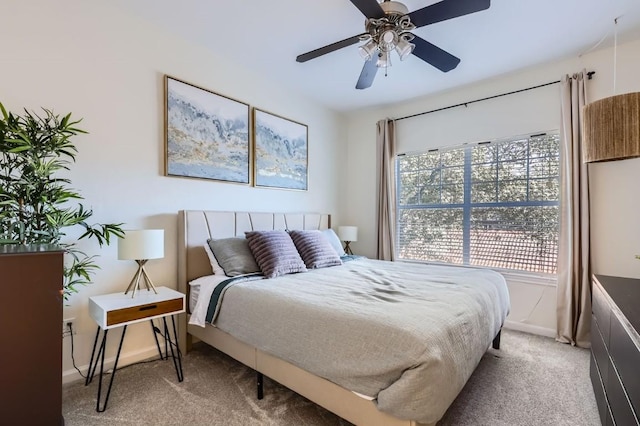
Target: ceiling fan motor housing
[[394, 8]]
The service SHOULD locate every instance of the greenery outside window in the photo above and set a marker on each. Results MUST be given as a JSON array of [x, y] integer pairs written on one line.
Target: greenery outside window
[[493, 204]]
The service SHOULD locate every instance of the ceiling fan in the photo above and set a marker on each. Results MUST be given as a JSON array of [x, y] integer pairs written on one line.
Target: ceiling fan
[[387, 28]]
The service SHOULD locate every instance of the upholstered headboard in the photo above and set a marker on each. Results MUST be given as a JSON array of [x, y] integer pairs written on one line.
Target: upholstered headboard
[[196, 226]]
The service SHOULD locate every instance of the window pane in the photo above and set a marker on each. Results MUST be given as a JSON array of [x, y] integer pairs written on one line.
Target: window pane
[[512, 190], [452, 194], [453, 175], [484, 192], [484, 154], [544, 189], [544, 146], [430, 194], [431, 234], [512, 170], [544, 167], [514, 150], [523, 238], [484, 172], [408, 163], [453, 157], [410, 188]]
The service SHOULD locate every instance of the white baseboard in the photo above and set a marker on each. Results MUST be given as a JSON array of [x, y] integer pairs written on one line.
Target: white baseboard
[[72, 375], [530, 328]]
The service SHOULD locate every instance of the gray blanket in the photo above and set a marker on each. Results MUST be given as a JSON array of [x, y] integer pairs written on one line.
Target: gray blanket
[[409, 335]]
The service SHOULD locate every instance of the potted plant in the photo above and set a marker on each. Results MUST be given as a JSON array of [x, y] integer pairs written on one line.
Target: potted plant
[[37, 205]]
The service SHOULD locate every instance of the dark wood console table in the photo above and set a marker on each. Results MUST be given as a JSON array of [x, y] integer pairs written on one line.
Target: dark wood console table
[[615, 349]]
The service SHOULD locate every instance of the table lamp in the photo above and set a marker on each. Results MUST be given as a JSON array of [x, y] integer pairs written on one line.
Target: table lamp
[[141, 245], [348, 234]]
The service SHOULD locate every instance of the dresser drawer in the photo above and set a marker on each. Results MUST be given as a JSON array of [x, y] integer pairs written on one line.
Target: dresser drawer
[[598, 390], [601, 311], [609, 419], [120, 316], [626, 357], [620, 406], [599, 351]]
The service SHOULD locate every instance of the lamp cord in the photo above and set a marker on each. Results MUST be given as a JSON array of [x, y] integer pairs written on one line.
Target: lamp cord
[[73, 360], [155, 329]]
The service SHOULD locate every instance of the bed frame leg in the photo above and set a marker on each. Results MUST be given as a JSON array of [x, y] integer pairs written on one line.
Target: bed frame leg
[[496, 340], [260, 386]]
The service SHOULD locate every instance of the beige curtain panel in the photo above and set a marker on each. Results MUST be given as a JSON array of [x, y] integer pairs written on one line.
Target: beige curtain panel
[[386, 178], [574, 271]]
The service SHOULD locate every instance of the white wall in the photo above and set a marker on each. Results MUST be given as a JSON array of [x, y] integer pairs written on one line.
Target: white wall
[[107, 68], [614, 203]]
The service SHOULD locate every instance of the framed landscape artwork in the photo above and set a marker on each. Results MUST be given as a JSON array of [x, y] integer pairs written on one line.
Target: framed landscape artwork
[[280, 151], [206, 134]]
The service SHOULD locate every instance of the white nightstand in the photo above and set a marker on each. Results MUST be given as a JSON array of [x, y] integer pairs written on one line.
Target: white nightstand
[[119, 310]]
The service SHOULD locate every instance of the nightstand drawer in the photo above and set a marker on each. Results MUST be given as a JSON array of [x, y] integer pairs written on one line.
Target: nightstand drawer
[[119, 316], [119, 309]]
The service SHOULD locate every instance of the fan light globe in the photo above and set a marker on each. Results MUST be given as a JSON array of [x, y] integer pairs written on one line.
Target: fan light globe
[[404, 48], [367, 50], [384, 60], [388, 37]]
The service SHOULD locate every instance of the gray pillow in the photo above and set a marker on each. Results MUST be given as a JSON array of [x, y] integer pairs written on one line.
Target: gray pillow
[[334, 241], [234, 256], [315, 249], [275, 253]]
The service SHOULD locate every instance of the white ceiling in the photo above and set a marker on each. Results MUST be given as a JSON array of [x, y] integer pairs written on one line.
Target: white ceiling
[[268, 35]]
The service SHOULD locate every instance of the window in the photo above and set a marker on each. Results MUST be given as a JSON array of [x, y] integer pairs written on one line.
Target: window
[[491, 204]]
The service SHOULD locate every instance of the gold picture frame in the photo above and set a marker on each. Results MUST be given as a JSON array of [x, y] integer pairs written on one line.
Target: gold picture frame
[[206, 134], [280, 157]]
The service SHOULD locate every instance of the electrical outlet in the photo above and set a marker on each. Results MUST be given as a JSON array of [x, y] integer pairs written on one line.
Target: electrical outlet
[[65, 327]]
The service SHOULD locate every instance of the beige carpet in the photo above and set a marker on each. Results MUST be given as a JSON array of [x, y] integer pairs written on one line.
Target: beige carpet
[[532, 380]]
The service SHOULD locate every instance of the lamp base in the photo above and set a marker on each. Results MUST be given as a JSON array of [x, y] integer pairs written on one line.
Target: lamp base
[[141, 274], [347, 249]]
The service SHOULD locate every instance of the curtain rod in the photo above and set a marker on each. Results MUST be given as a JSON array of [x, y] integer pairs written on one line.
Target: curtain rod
[[589, 75]]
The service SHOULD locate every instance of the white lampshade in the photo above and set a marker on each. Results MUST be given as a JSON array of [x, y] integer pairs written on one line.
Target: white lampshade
[[348, 233], [141, 244]]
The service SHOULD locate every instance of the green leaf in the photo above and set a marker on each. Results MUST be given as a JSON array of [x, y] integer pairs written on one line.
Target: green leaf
[[37, 205]]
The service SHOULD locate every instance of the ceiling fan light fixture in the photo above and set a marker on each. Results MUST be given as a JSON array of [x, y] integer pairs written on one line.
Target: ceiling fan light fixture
[[388, 40], [368, 49], [404, 48], [388, 25], [384, 60]]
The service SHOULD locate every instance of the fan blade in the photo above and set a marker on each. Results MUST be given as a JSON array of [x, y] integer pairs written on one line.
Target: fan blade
[[369, 8], [328, 49], [368, 73], [446, 9], [433, 55]]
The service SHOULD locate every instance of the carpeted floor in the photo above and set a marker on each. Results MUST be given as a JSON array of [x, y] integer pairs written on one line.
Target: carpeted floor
[[532, 380]]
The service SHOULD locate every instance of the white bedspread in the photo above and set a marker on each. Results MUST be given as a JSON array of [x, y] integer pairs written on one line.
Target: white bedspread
[[409, 335]]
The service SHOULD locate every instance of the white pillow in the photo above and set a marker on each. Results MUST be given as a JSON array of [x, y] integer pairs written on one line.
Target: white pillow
[[334, 240], [215, 266]]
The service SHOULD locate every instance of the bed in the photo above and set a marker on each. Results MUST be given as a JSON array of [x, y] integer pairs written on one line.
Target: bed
[[401, 400]]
